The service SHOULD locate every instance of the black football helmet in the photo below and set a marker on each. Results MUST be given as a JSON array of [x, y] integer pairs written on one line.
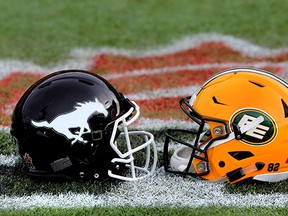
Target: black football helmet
[[73, 124]]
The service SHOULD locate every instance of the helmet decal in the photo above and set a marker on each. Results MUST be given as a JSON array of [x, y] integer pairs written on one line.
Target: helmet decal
[[78, 117], [262, 134], [28, 161]]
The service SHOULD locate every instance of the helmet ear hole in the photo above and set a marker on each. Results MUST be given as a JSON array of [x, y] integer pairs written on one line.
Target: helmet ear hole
[[221, 164]]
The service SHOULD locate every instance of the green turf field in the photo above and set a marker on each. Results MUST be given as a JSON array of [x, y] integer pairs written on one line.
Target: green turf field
[[45, 31]]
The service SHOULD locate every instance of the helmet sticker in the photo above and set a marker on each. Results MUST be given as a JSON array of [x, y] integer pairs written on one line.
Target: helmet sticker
[[262, 134], [28, 161], [78, 117]]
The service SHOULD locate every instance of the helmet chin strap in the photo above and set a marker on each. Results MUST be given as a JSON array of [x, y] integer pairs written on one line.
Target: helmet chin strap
[[239, 173]]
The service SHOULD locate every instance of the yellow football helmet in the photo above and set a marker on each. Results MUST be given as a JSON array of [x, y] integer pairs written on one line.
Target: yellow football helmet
[[240, 129]]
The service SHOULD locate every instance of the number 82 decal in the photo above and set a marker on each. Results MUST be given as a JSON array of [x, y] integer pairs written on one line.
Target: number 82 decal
[[273, 167]]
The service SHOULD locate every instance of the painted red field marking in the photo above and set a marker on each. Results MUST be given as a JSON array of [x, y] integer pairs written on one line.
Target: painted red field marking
[[134, 75]]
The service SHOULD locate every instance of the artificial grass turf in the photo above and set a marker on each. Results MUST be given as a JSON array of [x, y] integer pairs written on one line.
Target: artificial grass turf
[[45, 31]]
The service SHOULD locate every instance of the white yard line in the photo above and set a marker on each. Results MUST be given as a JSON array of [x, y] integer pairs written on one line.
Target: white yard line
[[195, 67], [160, 190], [82, 58], [184, 43], [9, 160], [160, 93]]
